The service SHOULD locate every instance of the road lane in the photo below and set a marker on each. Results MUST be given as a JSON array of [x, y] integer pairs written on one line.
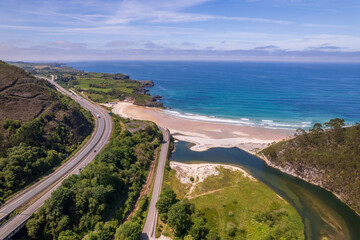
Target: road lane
[[99, 139], [150, 223]]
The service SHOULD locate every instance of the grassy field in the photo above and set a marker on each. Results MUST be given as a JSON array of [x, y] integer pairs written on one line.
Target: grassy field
[[102, 87], [238, 207], [172, 182]]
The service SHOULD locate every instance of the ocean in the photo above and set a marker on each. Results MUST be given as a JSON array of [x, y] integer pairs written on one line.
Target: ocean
[[272, 95]]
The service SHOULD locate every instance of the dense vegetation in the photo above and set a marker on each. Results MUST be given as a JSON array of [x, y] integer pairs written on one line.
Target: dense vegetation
[[225, 206], [182, 217], [328, 155], [131, 230], [83, 202], [100, 87], [39, 128]]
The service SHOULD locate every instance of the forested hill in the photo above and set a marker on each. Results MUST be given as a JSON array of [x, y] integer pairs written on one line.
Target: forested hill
[[327, 155], [39, 127]]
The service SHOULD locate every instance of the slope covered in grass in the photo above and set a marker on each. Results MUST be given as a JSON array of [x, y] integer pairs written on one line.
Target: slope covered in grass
[[328, 156], [39, 128]]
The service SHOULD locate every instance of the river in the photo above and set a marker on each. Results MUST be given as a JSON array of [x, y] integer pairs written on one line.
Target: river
[[324, 216]]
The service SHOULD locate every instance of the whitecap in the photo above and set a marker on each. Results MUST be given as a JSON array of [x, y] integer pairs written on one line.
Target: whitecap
[[266, 123]]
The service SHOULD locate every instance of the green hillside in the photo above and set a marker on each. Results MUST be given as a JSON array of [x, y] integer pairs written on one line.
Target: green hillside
[[39, 128], [108, 186], [327, 155]]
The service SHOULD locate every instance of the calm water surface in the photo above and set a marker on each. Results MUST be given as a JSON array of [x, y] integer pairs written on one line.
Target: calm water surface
[[322, 213]]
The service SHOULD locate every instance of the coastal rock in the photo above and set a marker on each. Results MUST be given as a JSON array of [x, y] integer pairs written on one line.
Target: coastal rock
[[120, 76], [147, 83], [150, 104], [141, 90], [155, 104], [157, 97]]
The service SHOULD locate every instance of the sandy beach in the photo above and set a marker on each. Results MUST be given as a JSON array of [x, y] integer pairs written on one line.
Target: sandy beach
[[204, 134]]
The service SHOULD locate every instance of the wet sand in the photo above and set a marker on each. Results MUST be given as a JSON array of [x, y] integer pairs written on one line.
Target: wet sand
[[205, 134]]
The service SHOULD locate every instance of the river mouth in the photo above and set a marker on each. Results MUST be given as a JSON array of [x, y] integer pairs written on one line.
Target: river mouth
[[324, 216]]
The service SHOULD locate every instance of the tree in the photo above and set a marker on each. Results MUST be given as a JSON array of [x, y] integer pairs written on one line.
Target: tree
[[68, 235], [336, 128], [106, 231], [335, 123], [103, 231], [166, 200], [129, 231], [179, 217], [31, 133], [199, 230], [317, 128], [33, 228], [11, 125]]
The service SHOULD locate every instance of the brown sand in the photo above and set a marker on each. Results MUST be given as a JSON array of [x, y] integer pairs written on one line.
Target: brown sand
[[204, 134]]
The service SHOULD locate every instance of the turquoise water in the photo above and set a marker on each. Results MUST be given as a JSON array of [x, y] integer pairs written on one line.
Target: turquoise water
[[322, 213], [274, 95]]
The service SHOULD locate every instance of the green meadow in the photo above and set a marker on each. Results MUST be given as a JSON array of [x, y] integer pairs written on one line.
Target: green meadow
[[238, 207], [102, 87]]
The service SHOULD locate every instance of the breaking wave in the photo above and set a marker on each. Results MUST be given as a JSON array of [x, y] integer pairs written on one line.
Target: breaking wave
[[266, 123]]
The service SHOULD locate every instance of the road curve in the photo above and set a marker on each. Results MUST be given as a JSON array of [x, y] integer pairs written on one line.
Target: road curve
[[46, 186], [150, 223]]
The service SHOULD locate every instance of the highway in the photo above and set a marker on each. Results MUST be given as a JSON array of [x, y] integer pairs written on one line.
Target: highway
[[43, 189], [150, 223]]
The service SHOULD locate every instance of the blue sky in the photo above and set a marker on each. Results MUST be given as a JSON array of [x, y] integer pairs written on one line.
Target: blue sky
[[239, 30]]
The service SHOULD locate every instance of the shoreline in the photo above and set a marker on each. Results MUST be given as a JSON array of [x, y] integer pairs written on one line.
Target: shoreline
[[209, 135], [203, 134], [204, 170], [318, 183]]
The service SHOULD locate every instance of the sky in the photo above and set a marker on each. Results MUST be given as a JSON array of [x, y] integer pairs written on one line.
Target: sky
[[213, 30]]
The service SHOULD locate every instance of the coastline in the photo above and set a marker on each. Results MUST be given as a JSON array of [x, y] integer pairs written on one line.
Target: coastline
[[311, 180], [203, 134]]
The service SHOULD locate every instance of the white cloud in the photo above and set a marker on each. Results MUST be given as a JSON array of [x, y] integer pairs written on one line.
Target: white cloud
[[139, 26], [324, 25], [119, 44], [45, 53], [65, 45], [160, 11]]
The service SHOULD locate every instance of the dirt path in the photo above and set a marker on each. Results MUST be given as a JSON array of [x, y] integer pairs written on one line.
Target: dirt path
[[202, 194]]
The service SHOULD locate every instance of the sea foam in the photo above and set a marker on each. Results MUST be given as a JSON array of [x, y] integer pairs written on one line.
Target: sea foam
[[265, 123]]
